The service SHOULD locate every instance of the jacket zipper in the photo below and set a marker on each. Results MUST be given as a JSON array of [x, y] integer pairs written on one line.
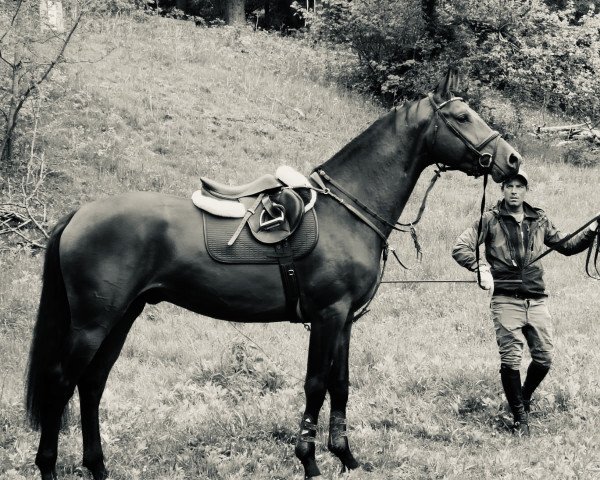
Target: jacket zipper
[[511, 247], [532, 227]]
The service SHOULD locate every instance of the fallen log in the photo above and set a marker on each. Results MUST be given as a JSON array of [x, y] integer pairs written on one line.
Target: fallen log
[[563, 128]]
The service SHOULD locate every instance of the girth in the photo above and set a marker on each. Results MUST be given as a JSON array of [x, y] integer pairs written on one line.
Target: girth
[[262, 222], [247, 250]]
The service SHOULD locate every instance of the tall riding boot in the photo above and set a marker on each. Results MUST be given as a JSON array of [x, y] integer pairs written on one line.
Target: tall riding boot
[[535, 374], [511, 381]]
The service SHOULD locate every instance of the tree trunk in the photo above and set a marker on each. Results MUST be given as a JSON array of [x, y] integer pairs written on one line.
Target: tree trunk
[[7, 141], [234, 12], [429, 8], [286, 14], [51, 15]]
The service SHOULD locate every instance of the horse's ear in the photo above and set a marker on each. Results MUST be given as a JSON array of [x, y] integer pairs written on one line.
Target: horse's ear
[[450, 83]]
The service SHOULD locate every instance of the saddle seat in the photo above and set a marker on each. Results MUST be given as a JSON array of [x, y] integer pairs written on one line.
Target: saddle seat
[[221, 190], [270, 205]]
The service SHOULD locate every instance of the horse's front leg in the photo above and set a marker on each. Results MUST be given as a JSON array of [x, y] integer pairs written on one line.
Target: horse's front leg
[[324, 338], [337, 386]]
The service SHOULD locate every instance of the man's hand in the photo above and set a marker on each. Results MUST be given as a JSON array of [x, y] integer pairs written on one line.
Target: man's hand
[[594, 225], [486, 279]]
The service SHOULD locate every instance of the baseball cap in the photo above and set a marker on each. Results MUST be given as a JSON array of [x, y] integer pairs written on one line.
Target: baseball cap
[[521, 174]]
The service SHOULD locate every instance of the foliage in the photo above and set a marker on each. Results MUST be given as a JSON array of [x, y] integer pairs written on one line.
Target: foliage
[[581, 155], [117, 7], [521, 47], [386, 35], [544, 59]]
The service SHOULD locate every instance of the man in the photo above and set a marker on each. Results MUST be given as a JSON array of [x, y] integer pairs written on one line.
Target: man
[[514, 234]]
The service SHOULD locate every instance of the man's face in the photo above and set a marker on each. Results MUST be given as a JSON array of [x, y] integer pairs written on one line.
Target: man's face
[[514, 192]]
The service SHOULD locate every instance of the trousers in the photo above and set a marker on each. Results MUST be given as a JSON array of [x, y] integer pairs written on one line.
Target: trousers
[[520, 320]]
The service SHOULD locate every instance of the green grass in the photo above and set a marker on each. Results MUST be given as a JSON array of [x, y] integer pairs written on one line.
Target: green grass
[[191, 397]]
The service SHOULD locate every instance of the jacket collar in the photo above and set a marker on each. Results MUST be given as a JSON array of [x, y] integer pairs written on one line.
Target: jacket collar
[[530, 212]]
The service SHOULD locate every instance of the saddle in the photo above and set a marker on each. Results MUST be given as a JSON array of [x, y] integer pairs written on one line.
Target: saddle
[[270, 220], [270, 205]]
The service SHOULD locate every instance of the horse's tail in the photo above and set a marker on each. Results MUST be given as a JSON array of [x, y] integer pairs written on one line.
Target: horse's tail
[[53, 320]]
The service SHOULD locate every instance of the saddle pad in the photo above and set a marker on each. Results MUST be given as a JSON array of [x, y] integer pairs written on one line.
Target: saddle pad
[[218, 231]]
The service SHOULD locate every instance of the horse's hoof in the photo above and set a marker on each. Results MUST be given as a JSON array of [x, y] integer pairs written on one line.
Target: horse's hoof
[[101, 475], [348, 462], [367, 467]]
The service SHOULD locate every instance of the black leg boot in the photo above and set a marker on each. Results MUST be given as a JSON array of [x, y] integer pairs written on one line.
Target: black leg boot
[[535, 374], [511, 381]]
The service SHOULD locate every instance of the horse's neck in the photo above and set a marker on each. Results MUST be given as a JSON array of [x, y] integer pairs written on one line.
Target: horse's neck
[[381, 166]]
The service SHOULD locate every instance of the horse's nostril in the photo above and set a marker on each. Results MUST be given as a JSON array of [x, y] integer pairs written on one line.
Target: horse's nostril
[[514, 160]]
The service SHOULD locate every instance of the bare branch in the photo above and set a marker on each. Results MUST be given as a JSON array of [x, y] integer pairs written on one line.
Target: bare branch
[[23, 97], [12, 22], [54, 62], [6, 61], [23, 236]]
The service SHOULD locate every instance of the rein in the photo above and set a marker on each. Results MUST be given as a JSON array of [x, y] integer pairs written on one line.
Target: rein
[[396, 225], [485, 162], [595, 276], [596, 252], [319, 175], [480, 228]]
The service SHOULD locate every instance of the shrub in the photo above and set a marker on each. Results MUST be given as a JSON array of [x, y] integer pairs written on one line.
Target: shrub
[[525, 49], [581, 155]]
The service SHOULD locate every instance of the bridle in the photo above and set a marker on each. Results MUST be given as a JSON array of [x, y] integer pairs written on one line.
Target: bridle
[[485, 160], [484, 165]]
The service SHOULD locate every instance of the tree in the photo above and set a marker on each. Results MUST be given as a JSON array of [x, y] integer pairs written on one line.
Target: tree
[[30, 48], [32, 44], [234, 12]]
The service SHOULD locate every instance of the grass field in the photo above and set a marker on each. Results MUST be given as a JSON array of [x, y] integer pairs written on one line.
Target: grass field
[[154, 105]]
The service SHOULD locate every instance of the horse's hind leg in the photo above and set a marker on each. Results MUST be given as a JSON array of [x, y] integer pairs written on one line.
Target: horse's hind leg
[[50, 424], [81, 346], [337, 386], [91, 387], [324, 338]]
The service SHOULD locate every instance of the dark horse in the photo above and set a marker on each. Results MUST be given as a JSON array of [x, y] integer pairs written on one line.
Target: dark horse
[[105, 261]]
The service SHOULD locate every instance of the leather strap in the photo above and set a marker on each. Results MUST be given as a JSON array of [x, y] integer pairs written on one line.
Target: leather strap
[[564, 240], [316, 177], [285, 258], [249, 212], [398, 226], [588, 262], [485, 161], [480, 228]]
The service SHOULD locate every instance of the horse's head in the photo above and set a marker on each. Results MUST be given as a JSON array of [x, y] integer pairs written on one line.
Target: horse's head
[[459, 139]]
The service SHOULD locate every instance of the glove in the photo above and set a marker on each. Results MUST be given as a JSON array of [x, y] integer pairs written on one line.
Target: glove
[[487, 281]]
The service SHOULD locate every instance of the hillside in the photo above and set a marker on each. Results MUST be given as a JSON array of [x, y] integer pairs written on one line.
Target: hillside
[[154, 105]]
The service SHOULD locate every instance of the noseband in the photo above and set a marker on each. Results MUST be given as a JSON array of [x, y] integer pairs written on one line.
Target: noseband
[[485, 161]]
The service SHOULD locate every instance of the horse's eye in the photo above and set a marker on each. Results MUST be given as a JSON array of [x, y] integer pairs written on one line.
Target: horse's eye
[[463, 118]]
